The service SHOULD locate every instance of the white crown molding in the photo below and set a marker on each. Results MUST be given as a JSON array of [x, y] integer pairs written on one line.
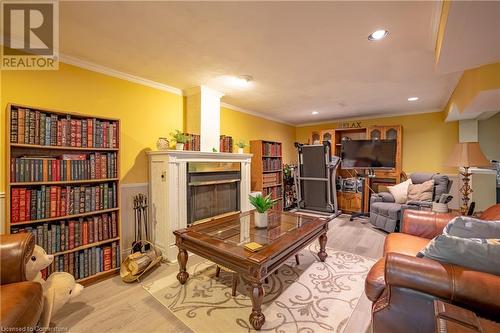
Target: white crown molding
[[120, 75], [254, 113], [368, 117], [164, 87], [153, 84]]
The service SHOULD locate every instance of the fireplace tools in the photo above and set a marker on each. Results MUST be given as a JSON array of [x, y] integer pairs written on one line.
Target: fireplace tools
[[141, 223], [144, 255]]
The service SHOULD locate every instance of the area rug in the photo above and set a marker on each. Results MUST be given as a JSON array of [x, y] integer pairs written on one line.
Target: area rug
[[310, 297]]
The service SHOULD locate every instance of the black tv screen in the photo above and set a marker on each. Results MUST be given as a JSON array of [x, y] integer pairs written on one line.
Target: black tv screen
[[368, 154]]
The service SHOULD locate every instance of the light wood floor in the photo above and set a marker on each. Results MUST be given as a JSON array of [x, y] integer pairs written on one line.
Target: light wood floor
[[112, 306]]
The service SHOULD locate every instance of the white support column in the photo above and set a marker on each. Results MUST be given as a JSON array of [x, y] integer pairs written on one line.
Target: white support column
[[203, 116], [467, 130]]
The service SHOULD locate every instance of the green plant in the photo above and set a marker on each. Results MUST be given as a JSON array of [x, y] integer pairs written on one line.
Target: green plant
[[262, 204], [179, 137], [214, 150], [241, 144]]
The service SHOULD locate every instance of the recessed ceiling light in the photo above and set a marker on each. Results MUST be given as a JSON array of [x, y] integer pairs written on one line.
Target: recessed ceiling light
[[314, 113], [378, 34], [412, 99]]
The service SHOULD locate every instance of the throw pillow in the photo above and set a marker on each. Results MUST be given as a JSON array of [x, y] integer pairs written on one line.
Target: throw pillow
[[478, 254], [469, 227], [400, 191], [467, 242], [421, 192]]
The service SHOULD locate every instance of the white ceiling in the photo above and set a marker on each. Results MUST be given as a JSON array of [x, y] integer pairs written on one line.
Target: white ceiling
[[304, 56], [472, 36]]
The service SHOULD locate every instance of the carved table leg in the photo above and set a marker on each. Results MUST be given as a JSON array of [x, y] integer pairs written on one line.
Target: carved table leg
[[182, 258], [322, 244], [256, 318]]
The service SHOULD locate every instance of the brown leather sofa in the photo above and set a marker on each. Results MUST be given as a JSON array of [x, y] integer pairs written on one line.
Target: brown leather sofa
[[403, 287], [21, 300]]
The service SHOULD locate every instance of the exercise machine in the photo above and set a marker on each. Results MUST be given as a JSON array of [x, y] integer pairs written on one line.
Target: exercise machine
[[315, 178]]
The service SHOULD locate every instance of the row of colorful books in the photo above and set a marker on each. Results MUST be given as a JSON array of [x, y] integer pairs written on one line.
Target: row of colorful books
[[271, 178], [271, 149], [66, 167], [193, 142], [87, 262], [67, 235], [271, 164], [42, 202], [39, 128], [275, 192], [226, 144]]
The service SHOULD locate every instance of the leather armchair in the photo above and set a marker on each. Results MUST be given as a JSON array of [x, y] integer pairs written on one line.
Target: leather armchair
[[21, 300], [403, 287]]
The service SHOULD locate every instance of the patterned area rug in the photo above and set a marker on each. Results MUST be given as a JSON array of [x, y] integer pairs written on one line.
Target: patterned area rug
[[311, 297]]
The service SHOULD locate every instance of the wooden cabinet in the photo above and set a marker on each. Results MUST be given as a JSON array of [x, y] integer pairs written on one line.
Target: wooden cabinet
[[350, 202], [393, 132], [315, 137], [328, 135]]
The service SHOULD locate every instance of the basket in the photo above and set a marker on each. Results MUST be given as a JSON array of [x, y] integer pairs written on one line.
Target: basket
[[138, 263], [440, 207]]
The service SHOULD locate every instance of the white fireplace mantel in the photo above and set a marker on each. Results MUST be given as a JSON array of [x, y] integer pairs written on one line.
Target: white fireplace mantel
[[168, 191]]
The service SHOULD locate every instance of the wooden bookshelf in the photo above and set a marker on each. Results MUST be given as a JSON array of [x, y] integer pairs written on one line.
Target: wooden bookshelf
[[109, 207], [267, 169]]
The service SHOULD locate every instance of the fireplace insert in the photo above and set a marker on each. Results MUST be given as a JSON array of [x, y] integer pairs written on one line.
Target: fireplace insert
[[213, 190]]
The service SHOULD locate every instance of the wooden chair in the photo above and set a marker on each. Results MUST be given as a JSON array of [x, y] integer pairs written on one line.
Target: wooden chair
[[236, 276]]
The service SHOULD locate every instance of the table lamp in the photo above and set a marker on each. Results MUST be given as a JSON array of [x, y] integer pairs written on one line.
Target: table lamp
[[466, 155]]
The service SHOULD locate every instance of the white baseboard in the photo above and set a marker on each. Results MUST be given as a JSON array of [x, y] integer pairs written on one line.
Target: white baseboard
[[2, 213]]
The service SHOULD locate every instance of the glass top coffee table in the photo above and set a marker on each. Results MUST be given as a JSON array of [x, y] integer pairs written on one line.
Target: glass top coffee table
[[223, 241]]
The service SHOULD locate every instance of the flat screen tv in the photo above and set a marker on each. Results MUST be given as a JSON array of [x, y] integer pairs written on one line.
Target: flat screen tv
[[368, 154]]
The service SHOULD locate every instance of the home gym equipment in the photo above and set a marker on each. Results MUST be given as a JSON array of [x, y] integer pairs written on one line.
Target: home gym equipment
[[315, 179]]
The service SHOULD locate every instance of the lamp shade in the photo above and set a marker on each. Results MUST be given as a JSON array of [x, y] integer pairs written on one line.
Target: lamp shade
[[467, 154]]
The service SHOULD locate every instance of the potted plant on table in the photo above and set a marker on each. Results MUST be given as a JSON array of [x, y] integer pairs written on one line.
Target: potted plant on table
[[262, 206], [241, 144], [180, 139]]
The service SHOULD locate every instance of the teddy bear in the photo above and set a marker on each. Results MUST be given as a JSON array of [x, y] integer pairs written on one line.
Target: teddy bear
[[58, 289], [38, 261]]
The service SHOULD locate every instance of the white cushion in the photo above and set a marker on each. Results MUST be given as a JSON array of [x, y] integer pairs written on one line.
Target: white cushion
[[400, 191]]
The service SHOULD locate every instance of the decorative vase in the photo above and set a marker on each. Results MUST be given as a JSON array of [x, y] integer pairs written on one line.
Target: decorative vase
[[162, 144], [240, 150], [260, 219], [179, 146]]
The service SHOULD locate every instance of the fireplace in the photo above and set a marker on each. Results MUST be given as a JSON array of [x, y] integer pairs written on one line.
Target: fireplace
[[213, 190], [179, 176]]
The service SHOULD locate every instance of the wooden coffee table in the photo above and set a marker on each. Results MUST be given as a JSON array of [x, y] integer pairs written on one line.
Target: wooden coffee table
[[222, 242]]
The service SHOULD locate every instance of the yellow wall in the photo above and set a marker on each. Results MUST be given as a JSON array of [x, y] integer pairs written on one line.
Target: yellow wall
[[146, 113], [472, 82], [246, 127], [427, 139]]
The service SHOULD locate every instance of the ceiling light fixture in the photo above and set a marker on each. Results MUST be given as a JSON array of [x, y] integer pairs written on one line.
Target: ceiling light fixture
[[314, 113], [378, 34], [241, 81], [412, 99]]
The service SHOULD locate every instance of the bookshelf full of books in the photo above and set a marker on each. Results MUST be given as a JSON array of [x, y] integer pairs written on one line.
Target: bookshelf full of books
[[63, 185], [266, 169]]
